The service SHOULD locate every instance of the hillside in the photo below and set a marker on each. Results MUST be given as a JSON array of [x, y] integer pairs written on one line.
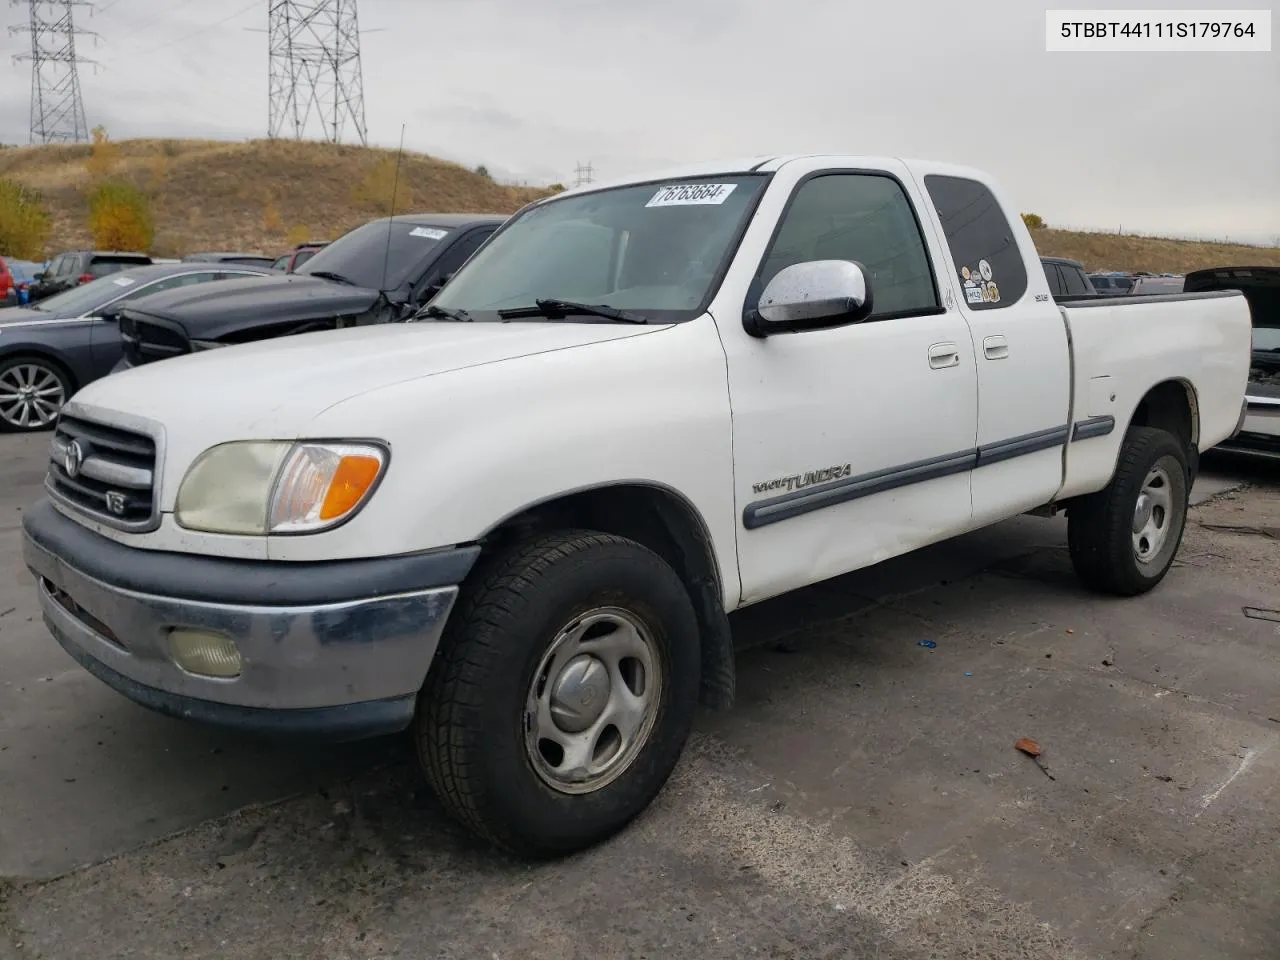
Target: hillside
[[256, 195], [262, 194], [1107, 251]]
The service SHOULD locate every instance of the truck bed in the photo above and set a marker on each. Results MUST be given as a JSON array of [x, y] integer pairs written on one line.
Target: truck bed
[[1196, 341]]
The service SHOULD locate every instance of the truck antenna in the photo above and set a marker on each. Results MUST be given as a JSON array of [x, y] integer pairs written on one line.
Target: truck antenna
[[395, 185]]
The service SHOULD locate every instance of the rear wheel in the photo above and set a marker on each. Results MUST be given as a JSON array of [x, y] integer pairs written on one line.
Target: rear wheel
[[563, 692], [1123, 538], [32, 392]]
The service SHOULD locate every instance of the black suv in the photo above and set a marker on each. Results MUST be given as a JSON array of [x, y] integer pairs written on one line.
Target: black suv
[[383, 271], [80, 266]]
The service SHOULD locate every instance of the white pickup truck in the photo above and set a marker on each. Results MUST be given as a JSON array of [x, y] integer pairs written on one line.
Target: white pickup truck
[[516, 524]]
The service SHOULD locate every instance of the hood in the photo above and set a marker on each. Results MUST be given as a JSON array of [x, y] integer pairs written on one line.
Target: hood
[[272, 389], [210, 311]]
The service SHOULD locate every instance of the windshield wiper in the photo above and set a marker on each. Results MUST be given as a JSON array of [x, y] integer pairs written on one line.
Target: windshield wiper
[[443, 313], [330, 275], [553, 309]]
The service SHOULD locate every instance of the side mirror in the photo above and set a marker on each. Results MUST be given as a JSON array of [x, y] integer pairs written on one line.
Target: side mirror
[[813, 295], [37, 277]]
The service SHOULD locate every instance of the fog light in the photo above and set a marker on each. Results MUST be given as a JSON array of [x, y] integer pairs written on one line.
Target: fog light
[[204, 654]]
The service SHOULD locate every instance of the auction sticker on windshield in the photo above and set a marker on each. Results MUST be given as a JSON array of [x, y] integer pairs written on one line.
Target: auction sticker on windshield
[[689, 194], [123, 281], [429, 233]]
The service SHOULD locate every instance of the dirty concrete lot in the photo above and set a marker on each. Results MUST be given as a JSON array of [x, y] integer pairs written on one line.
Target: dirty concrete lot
[[863, 800]]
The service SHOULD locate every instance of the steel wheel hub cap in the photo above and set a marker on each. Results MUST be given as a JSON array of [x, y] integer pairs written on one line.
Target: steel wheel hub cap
[[593, 701], [1152, 515], [30, 396]]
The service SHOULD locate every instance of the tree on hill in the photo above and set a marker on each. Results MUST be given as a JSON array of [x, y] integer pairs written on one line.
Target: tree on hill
[[120, 217], [104, 156], [24, 222]]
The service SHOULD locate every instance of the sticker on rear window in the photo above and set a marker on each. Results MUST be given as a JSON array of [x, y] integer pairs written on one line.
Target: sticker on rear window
[[122, 281], [690, 194], [429, 233]]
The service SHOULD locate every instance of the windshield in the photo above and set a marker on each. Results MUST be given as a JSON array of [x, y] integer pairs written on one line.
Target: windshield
[[653, 250], [361, 254], [87, 297]]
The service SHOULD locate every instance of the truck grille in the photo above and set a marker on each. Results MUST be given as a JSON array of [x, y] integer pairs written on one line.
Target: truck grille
[[104, 472], [145, 340]]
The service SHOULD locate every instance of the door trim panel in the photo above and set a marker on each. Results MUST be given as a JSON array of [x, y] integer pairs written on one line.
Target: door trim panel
[[797, 503], [1093, 427], [1021, 446]]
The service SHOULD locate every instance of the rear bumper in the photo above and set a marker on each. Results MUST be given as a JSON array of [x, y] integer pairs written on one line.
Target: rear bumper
[[1259, 431], [316, 659]]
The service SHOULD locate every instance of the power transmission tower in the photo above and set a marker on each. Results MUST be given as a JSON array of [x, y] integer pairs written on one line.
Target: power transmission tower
[[314, 68], [57, 109], [583, 174]]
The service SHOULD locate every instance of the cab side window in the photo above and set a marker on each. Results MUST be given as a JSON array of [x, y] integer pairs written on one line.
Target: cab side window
[[987, 258], [864, 217]]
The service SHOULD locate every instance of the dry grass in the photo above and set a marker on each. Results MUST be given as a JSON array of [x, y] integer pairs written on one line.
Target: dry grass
[[1104, 251], [221, 195], [262, 195]]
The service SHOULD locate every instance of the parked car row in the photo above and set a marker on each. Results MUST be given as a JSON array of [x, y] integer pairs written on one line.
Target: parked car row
[[121, 310], [73, 268], [383, 271], [1135, 284]]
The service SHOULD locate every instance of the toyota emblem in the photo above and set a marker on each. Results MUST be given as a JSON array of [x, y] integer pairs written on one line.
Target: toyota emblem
[[72, 458]]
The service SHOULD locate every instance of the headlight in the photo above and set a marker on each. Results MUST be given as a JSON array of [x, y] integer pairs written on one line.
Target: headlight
[[261, 487]]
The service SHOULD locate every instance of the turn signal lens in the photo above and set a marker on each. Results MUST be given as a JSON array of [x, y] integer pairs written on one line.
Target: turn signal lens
[[322, 484], [351, 481]]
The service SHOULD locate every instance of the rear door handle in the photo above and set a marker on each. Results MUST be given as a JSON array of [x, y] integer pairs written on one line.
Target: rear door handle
[[943, 355], [995, 348]]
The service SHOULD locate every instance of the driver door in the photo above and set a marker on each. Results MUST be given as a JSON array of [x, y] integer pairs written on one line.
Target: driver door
[[855, 443]]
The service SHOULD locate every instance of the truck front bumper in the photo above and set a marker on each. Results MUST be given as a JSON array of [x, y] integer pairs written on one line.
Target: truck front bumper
[[334, 649]]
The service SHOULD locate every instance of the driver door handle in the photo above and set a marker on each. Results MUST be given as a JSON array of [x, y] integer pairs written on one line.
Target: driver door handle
[[942, 355]]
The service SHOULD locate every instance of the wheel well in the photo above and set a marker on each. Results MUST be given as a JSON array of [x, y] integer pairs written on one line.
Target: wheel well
[[33, 353], [669, 526], [1171, 406]]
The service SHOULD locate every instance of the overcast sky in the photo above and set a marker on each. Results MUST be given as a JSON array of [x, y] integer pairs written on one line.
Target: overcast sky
[[1175, 143]]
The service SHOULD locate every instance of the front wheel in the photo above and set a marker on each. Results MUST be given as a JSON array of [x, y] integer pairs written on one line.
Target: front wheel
[[1123, 538], [563, 692], [32, 392]]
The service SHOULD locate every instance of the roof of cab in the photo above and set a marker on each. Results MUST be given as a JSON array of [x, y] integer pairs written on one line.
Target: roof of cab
[[764, 163]]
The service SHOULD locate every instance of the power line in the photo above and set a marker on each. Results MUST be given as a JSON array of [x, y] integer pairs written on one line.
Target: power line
[[57, 108], [196, 32], [314, 69]]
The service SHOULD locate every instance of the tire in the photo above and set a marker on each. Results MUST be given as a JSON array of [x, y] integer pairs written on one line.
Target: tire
[[479, 726], [32, 391], [1108, 555]]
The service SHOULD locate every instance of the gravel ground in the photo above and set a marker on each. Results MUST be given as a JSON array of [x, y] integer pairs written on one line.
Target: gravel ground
[[864, 799]]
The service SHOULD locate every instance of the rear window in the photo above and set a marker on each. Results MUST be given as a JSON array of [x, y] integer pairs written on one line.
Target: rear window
[[103, 266], [1076, 284], [987, 257]]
